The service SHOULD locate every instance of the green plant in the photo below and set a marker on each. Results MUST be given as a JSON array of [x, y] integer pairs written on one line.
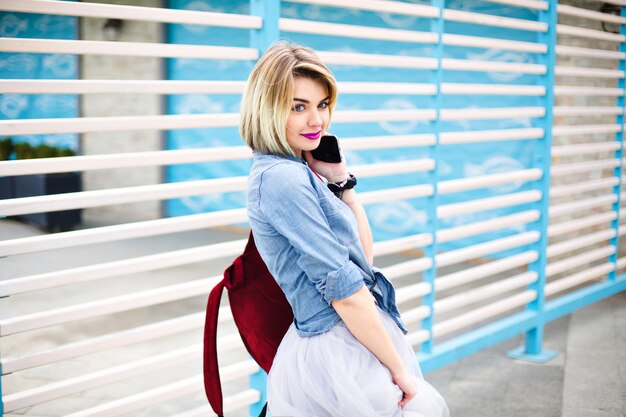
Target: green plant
[[27, 151], [6, 147]]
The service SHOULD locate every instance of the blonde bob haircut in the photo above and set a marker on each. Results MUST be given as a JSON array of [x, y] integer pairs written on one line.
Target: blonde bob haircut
[[268, 96]]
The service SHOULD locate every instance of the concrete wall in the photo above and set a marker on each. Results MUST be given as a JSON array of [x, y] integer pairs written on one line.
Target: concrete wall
[[107, 105]]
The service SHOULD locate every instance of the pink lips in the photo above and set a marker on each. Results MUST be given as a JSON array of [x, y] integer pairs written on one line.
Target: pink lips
[[312, 136]]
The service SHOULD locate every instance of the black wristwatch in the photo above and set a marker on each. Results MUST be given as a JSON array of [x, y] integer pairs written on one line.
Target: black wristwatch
[[339, 187]]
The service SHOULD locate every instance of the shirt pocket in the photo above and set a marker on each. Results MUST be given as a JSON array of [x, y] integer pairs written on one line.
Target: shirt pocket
[[341, 219]]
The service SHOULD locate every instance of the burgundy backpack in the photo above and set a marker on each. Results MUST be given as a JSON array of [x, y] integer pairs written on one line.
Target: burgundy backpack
[[261, 313]]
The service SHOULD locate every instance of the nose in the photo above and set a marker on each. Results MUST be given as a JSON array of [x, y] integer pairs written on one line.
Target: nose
[[315, 119]]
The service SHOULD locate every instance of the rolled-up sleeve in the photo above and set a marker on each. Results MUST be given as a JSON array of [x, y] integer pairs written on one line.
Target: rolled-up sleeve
[[291, 205]]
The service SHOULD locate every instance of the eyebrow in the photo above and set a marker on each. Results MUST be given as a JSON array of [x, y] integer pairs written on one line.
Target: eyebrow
[[307, 101]]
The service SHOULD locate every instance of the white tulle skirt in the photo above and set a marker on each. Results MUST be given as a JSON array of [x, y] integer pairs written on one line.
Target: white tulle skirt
[[334, 375]]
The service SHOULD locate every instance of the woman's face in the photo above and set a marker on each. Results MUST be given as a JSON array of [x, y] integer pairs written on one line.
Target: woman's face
[[308, 117]]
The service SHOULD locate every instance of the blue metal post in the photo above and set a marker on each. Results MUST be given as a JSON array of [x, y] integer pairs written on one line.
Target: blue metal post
[[618, 170], [269, 11], [430, 251], [534, 337]]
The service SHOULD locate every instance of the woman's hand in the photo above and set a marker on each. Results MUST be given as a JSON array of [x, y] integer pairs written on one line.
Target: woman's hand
[[332, 171], [407, 383]]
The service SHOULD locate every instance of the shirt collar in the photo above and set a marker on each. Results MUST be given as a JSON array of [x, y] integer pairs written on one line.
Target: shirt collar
[[258, 154]]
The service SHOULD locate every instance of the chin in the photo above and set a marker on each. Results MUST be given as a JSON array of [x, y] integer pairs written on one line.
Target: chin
[[310, 145]]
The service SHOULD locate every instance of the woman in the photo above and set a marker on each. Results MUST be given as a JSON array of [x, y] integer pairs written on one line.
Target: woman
[[345, 354]]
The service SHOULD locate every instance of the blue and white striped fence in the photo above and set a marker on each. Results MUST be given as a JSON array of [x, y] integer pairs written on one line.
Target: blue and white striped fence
[[548, 245]]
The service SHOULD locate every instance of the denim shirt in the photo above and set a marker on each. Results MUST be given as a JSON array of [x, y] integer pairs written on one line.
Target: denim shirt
[[309, 240]]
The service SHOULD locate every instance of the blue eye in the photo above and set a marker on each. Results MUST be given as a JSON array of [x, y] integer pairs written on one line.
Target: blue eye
[[298, 107], [323, 105]]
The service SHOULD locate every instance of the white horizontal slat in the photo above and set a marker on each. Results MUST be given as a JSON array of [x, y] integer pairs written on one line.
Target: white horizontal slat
[[116, 268], [576, 206], [580, 223], [453, 302], [145, 49], [386, 6], [484, 313], [565, 90], [460, 255], [144, 399], [390, 168], [484, 42], [149, 14], [390, 246], [554, 268], [187, 121], [563, 50], [355, 31], [84, 199], [621, 263], [231, 403], [491, 20], [109, 341], [380, 142], [49, 86], [529, 4], [488, 203], [354, 87], [399, 193], [492, 89], [122, 231], [491, 113], [568, 10], [583, 130], [587, 111], [117, 123], [560, 70], [491, 66], [618, 2], [415, 314], [583, 187], [371, 116], [579, 242], [577, 167], [585, 148], [417, 337], [485, 181], [105, 306], [376, 60], [474, 228], [588, 33], [117, 373], [413, 291], [99, 378], [451, 138], [40, 86], [123, 160], [577, 279], [407, 268], [468, 275]]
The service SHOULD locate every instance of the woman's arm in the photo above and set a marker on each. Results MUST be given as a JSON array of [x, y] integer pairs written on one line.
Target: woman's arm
[[358, 312], [365, 233]]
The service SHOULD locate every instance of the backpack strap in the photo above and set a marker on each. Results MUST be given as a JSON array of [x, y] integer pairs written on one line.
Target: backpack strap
[[212, 383]]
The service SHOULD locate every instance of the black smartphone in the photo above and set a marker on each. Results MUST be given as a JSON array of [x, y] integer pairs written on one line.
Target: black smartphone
[[328, 149]]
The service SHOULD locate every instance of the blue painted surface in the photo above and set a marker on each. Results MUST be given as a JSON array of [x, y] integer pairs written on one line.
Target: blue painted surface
[[258, 381], [388, 219], [543, 160], [18, 65], [430, 251], [618, 170]]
